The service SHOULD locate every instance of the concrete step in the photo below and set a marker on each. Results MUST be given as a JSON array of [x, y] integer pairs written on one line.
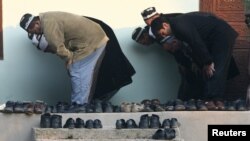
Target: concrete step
[[103, 140], [194, 124], [97, 134]]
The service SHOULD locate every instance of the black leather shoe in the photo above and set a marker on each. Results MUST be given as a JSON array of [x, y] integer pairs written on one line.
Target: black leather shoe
[[200, 104], [28, 107], [56, 121], [174, 123], [191, 105], [60, 107], [179, 105], [90, 108], [169, 106], [107, 107], [98, 107], [89, 124], [45, 120], [166, 123], [120, 124], [18, 107], [79, 123], [9, 107], [116, 109], [131, 124], [159, 135], [144, 121], [169, 133], [97, 123], [39, 107], [155, 121], [70, 123]]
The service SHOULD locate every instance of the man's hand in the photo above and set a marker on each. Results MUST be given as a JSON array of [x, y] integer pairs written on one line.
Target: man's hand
[[68, 63], [208, 70]]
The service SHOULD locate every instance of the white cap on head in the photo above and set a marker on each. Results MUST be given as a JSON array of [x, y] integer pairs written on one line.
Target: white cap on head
[[148, 13]]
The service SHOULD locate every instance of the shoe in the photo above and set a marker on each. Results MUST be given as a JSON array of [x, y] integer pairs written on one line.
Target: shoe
[[190, 105], [70, 123], [146, 102], [144, 121], [169, 133], [131, 124], [60, 107], [56, 121], [147, 108], [174, 123], [211, 105], [39, 107], [28, 107], [240, 105], [45, 120], [89, 124], [159, 108], [126, 107], [79, 123], [18, 107], [117, 109], [169, 106], [230, 106], [120, 124], [97, 123], [200, 104], [90, 108], [179, 105], [159, 135], [9, 107], [155, 121], [137, 107], [220, 105], [107, 107], [155, 102], [166, 123], [98, 107]]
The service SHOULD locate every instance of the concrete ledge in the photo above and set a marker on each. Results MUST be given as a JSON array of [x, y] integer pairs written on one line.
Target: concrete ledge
[[18, 127], [103, 140], [99, 134]]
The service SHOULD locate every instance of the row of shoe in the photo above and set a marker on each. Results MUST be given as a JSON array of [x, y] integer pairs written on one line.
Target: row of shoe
[[147, 121], [192, 105], [79, 123], [55, 121], [164, 134], [93, 107], [27, 107]]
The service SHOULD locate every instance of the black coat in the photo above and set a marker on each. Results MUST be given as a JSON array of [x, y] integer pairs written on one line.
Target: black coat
[[115, 71], [201, 33]]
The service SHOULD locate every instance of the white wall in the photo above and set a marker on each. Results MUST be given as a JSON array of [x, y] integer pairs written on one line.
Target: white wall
[[27, 74]]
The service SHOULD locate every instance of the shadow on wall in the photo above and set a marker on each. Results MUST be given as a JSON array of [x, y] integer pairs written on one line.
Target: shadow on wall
[[29, 74]]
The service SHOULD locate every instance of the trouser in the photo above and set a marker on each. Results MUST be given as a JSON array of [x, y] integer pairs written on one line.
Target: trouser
[[215, 86], [82, 74]]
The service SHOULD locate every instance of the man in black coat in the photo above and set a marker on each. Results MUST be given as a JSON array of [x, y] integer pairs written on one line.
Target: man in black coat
[[211, 40]]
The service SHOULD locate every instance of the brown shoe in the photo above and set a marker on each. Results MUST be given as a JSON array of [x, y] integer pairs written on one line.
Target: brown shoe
[[136, 107], [28, 107], [210, 105], [220, 105], [39, 107], [126, 107]]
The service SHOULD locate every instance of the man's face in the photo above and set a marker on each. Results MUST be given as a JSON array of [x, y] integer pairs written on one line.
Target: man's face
[[172, 45], [164, 31], [145, 39], [34, 27], [149, 20]]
